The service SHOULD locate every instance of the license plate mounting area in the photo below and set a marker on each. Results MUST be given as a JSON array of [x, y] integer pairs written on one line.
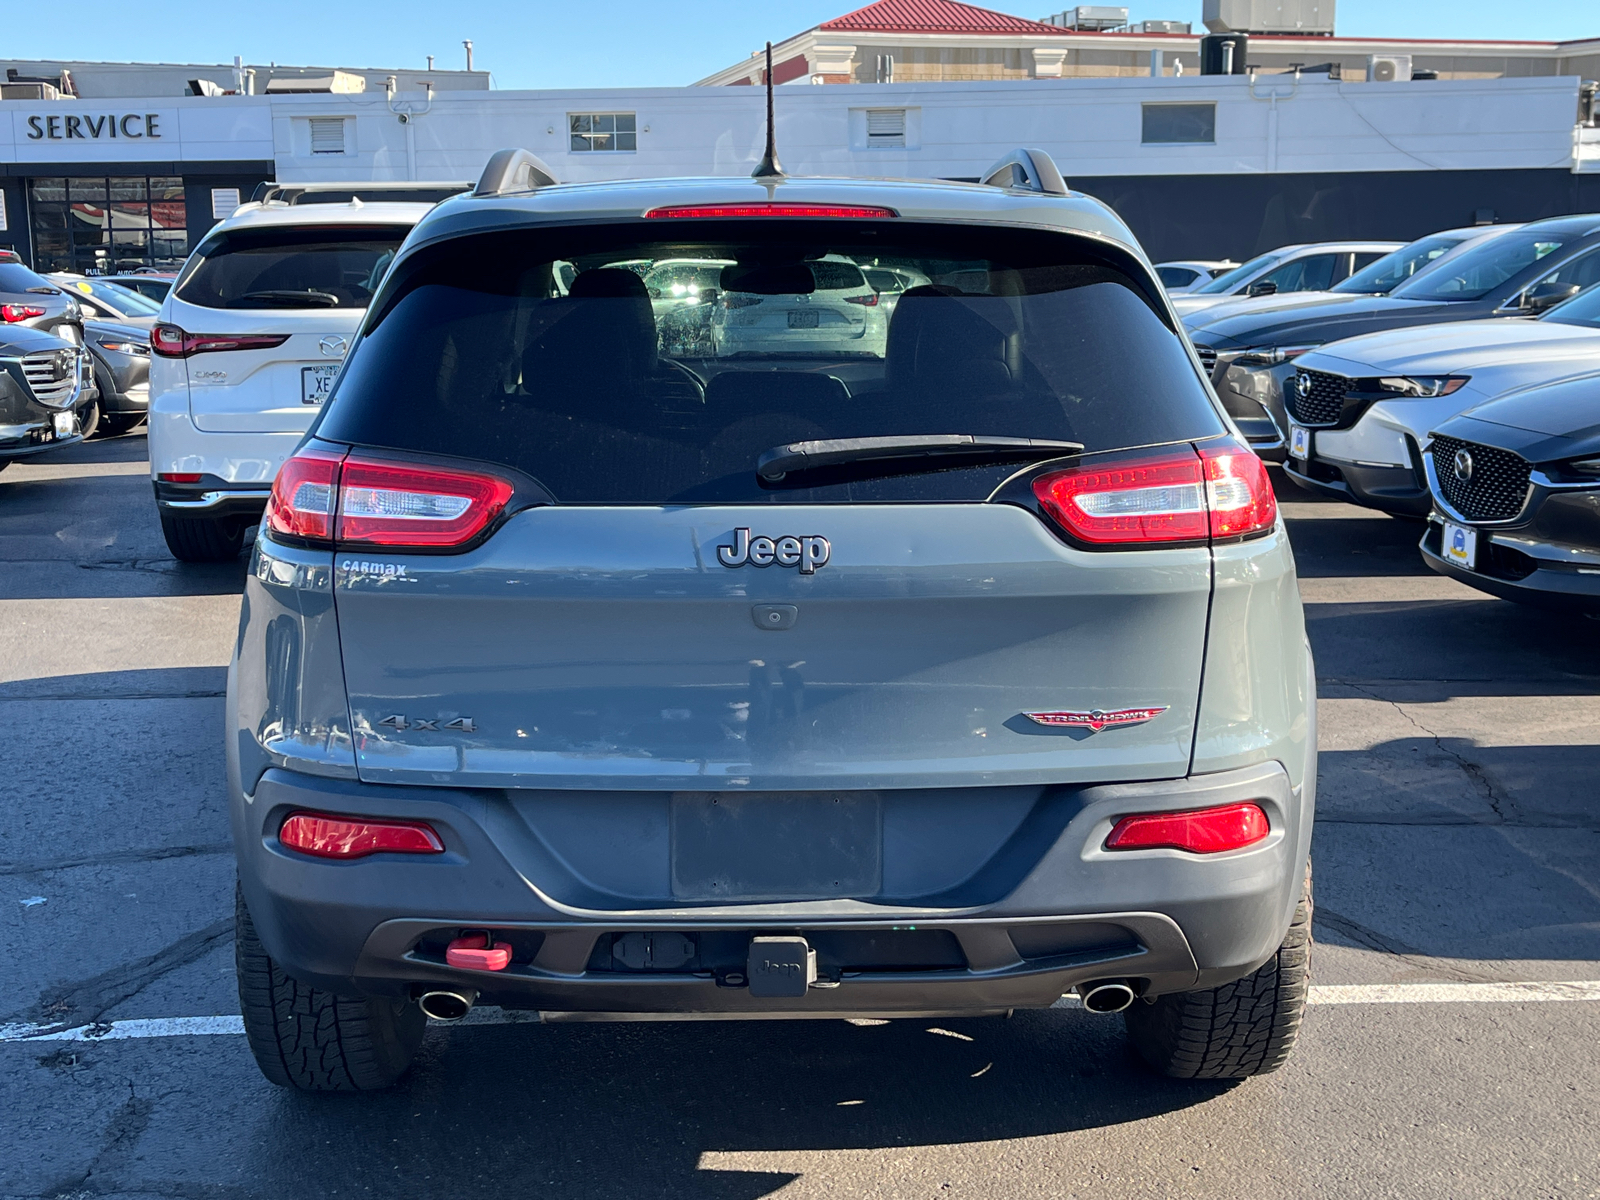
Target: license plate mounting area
[[776, 845]]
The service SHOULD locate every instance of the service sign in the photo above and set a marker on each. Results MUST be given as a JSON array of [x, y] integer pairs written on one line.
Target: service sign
[[58, 126]]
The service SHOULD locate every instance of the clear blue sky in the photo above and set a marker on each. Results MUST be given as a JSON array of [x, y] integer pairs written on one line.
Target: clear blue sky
[[536, 43]]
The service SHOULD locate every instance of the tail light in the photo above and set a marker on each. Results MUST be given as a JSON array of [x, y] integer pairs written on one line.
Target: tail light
[[870, 300], [1199, 831], [169, 341], [325, 836], [20, 312], [324, 495], [1183, 495]]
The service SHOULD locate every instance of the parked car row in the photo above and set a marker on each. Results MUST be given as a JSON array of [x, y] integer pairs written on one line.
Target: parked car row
[[1464, 394]]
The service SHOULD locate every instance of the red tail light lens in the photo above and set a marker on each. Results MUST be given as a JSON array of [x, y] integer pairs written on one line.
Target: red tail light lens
[[870, 300], [325, 496], [1238, 491], [304, 495], [1221, 491], [327, 836], [169, 341], [1199, 831], [19, 312], [772, 210], [395, 504]]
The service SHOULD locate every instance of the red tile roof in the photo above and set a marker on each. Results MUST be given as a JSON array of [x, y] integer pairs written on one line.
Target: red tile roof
[[932, 16]]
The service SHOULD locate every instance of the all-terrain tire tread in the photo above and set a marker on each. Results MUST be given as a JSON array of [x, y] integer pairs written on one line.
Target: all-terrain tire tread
[[310, 1039], [1240, 1029]]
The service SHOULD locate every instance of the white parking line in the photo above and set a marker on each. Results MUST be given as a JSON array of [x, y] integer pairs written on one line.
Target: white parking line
[[1352, 993]]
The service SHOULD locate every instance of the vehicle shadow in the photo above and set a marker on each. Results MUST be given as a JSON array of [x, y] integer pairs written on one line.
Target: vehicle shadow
[[618, 1112]]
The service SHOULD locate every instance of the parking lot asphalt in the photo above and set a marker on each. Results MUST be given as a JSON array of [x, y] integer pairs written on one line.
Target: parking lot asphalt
[[1457, 841]]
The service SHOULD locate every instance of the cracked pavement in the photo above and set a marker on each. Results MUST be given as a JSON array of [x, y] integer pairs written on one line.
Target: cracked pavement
[[1458, 840]]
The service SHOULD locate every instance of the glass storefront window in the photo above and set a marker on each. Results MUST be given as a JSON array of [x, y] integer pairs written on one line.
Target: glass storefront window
[[92, 224]]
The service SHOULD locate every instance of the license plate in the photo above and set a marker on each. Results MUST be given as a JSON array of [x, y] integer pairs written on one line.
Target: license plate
[[65, 424], [1299, 442], [317, 382], [803, 319], [1460, 545]]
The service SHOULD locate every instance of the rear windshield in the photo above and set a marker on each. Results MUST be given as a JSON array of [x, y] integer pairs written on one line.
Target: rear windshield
[[1477, 272], [621, 388], [1394, 268], [338, 267], [14, 277]]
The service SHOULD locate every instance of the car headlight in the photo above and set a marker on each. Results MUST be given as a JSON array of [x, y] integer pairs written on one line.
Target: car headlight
[[125, 347], [1423, 385], [1271, 356], [1585, 466]]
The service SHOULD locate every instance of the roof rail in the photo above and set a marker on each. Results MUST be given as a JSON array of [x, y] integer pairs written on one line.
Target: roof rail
[[1031, 169], [295, 194], [513, 171]]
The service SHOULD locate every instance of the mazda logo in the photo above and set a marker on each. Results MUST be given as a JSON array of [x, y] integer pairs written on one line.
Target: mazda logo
[[1463, 465], [1303, 385], [333, 346]]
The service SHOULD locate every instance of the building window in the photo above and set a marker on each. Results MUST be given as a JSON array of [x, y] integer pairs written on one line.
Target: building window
[[603, 131], [327, 135], [1170, 124], [110, 224], [886, 127]]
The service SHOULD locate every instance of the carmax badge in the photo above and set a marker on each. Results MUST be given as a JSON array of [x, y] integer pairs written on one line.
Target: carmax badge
[[1096, 718]]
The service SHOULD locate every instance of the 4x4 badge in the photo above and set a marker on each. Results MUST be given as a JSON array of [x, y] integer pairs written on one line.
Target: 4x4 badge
[[807, 553], [1097, 718]]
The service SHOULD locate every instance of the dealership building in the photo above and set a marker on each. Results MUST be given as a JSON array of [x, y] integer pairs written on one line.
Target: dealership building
[[116, 166]]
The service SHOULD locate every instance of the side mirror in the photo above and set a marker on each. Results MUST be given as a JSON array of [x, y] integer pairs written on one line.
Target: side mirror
[[1542, 296], [1264, 287]]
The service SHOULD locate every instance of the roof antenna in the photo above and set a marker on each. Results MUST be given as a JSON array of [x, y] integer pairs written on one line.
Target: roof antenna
[[769, 167]]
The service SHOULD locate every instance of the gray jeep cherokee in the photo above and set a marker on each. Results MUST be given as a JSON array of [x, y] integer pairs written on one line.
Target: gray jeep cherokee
[[845, 667]]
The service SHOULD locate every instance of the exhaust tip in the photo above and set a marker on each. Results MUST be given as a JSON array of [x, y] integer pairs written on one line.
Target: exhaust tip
[[1106, 995], [447, 1006]]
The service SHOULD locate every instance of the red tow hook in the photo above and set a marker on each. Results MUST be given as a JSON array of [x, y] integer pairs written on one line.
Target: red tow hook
[[477, 952]]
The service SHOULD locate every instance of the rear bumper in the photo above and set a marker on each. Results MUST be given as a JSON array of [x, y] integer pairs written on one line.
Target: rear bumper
[[1056, 910], [236, 459]]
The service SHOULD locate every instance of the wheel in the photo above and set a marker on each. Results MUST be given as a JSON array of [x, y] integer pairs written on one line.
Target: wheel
[[202, 539], [89, 419], [306, 1038], [117, 424], [1241, 1029]]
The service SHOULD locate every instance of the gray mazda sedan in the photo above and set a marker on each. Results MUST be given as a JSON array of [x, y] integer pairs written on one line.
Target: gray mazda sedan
[[942, 665]]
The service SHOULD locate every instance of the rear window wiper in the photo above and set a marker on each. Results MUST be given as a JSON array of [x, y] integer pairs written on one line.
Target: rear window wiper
[[293, 299], [779, 461]]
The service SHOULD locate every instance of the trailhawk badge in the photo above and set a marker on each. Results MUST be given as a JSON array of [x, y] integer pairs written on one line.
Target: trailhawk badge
[[807, 553], [1096, 718]]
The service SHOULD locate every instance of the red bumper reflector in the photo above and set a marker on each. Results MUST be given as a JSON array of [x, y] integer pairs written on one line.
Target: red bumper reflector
[[179, 477], [476, 952], [771, 210], [1199, 831], [356, 837]]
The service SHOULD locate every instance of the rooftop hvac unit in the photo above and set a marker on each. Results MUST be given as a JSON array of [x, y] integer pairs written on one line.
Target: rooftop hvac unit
[[1269, 16], [29, 91], [1388, 68], [1093, 17], [1159, 27]]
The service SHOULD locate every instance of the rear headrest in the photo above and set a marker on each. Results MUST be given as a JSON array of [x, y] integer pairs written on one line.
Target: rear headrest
[[601, 335], [608, 283], [944, 339]]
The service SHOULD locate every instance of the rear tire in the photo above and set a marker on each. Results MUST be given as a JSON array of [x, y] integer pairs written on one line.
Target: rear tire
[[1240, 1029], [203, 539], [306, 1038]]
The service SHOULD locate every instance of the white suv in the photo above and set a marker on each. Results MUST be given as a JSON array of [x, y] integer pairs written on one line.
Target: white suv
[[247, 346]]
